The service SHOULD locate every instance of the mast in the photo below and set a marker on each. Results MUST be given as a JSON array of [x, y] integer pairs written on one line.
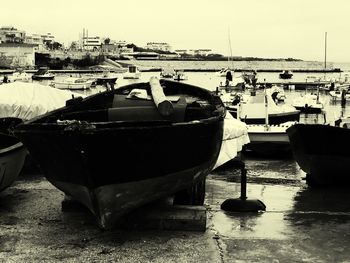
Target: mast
[[229, 41], [325, 50]]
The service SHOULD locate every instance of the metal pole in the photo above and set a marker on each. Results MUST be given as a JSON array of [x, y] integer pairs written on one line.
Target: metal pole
[[325, 51]]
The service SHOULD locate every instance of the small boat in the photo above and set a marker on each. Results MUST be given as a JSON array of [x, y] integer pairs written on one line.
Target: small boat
[[269, 139], [250, 77], [43, 74], [339, 94], [277, 93], [286, 74], [19, 76], [223, 72], [12, 156], [251, 110], [72, 83], [107, 78], [119, 149], [309, 103], [167, 73], [322, 152], [179, 75], [132, 73]]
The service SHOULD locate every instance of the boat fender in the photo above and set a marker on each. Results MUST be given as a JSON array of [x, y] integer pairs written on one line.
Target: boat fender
[[164, 106]]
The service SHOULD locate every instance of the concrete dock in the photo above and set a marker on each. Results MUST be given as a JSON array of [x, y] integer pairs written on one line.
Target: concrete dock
[[300, 224]]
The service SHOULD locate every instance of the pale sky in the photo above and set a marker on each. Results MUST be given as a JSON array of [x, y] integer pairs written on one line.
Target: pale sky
[[258, 28]]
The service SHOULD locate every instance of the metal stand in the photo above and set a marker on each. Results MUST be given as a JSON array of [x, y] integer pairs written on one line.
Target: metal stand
[[243, 204]]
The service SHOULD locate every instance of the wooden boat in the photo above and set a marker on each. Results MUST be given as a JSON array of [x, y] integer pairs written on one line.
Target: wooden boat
[[12, 156], [72, 83], [122, 148], [107, 78], [286, 74], [43, 74], [322, 152]]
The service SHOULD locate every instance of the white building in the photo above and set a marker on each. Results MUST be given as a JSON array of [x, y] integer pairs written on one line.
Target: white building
[[181, 51], [10, 34], [158, 46], [199, 52], [91, 43], [48, 38]]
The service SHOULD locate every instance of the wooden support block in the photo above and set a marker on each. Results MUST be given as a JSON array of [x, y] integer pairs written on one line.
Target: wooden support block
[[161, 215], [171, 217], [69, 204]]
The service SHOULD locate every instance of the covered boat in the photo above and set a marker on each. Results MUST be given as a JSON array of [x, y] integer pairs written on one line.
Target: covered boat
[[322, 152], [12, 156], [122, 148]]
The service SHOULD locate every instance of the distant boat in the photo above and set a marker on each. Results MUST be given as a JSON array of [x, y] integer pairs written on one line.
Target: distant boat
[[167, 73], [223, 72], [119, 149], [322, 152], [19, 76], [340, 93], [132, 73], [43, 74], [12, 156], [269, 139], [179, 75], [72, 83], [309, 103], [286, 74], [252, 110], [106, 78]]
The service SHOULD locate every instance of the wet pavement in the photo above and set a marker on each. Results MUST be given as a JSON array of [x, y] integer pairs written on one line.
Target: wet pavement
[[300, 224]]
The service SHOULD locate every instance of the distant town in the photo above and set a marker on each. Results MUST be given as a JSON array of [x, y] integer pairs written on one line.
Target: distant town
[[19, 49]]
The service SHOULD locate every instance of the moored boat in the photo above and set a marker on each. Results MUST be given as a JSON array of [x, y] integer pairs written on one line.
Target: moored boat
[[269, 139], [119, 149], [43, 74], [252, 110], [72, 83], [322, 152], [132, 73], [12, 156], [107, 78], [308, 103], [180, 75], [286, 74]]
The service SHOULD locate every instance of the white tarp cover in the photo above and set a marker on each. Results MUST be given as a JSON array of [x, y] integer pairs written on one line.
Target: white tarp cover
[[235, 136], [28, 100]]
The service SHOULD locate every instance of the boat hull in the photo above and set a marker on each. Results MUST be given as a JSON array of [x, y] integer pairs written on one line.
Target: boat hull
[[12, 158], [321, 151], [270, 142], [274, 119], [113, 151], [42, 77]]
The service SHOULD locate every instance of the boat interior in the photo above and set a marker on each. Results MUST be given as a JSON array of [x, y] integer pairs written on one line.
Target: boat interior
[[120, 105]]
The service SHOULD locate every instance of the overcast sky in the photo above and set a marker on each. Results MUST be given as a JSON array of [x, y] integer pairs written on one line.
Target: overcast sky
[[259, 28]]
